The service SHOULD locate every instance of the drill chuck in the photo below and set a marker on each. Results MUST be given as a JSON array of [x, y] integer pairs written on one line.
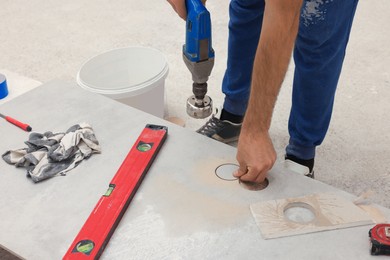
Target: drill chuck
[[199, 90], [199, 105]]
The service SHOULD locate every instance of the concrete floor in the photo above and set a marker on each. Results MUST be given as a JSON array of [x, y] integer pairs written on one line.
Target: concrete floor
[[46, 40]]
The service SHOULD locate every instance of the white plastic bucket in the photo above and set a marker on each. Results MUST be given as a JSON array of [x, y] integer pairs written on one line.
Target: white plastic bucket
[[134, 76]]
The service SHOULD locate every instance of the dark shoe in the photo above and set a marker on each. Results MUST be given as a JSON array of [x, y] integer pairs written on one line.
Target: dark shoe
[[220, 130], [303, 167]]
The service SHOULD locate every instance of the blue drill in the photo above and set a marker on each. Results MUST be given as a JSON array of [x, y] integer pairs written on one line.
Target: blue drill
[[198, 55]]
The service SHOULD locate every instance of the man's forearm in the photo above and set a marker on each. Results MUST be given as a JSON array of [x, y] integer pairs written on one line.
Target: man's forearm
[[280, 26]]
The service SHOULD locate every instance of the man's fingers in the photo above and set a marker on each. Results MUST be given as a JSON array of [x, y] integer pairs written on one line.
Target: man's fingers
[[180, 7], [241, 171], [251, 175], [171, 3], [261, 177], [245, 173]]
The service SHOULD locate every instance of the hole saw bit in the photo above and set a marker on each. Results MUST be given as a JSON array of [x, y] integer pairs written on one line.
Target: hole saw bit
[[198, 55]]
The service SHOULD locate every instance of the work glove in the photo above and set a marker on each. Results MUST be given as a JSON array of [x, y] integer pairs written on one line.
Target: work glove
[[180, 7]]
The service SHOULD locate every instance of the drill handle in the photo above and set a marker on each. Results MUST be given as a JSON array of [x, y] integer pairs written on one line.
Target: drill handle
[[198, 45], [195, 6]]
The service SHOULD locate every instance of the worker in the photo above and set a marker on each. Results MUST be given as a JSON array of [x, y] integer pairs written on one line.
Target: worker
[[262, 36]]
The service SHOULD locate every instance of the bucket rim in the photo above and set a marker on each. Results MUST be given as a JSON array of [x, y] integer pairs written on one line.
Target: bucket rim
[[132, 90]]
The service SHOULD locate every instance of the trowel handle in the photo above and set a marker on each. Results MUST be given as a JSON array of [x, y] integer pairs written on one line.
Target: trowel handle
[[198, 32]]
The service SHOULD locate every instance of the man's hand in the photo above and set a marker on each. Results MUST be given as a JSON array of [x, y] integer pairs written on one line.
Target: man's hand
[[180, 7], [256, 156]]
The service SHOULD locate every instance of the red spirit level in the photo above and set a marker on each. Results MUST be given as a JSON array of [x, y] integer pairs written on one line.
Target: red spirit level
[[380, 239], [101, 223]]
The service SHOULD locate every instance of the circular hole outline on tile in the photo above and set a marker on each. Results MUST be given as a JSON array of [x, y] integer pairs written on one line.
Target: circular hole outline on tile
[[225, 171], [254, 186], [299, 212]]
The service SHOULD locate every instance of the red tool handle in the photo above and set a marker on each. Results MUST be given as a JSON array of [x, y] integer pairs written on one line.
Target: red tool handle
[[25, 127]]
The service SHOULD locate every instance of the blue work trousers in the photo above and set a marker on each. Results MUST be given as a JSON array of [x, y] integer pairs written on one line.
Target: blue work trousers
[[319, 52]]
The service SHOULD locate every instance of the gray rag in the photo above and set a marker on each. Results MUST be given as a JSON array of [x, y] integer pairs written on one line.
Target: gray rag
[[49, 155]]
